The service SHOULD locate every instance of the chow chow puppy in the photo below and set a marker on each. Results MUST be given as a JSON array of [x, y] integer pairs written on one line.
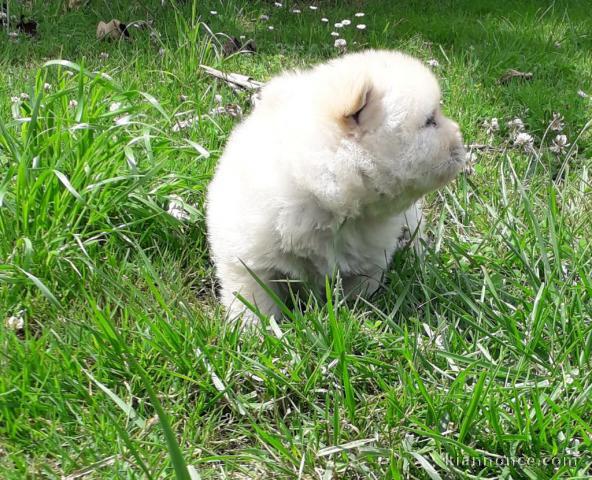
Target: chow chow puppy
[[326, 175], [113, 30]]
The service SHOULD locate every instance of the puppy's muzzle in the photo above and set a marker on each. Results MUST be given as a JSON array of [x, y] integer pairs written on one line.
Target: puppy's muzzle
[[459, 154]]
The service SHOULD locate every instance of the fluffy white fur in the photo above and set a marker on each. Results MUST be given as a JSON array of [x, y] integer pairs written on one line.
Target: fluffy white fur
[[327, 174], [113, 30]]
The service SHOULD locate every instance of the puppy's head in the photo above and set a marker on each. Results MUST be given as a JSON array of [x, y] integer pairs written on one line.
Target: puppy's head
[[123, 29], [386, 108]]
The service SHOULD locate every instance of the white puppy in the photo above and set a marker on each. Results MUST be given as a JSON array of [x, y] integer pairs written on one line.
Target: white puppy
[[326, 176]]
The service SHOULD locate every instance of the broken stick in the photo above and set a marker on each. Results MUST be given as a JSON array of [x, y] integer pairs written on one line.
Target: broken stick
[[234, 79]]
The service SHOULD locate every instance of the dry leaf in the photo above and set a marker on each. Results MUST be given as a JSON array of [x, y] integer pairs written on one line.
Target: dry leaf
[[234, 45], [511, 74]]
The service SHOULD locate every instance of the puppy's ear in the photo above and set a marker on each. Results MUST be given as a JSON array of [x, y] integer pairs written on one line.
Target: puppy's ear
[[350, 98]]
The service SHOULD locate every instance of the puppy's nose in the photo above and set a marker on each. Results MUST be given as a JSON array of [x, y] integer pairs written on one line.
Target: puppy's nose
[[457, 149], [458, 153], [455, 128]]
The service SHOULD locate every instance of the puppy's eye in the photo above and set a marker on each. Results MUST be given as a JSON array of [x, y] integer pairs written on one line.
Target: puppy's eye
[[431, 122]]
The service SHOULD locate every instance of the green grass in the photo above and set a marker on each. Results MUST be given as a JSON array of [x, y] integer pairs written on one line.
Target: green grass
[[479, 350]]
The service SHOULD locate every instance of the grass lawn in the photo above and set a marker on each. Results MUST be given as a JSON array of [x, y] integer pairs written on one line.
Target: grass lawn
[[115, 362]]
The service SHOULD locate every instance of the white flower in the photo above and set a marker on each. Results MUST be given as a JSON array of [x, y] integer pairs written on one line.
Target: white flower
[[325, 20], [491, 126], [213, 12], [103, 55], [218, 98], [557, 123], [15, 99], [361, 26], [334, 34], [278, 4], [313, 7], [114, 106], [359, 14], [296, 10], [559, 144], [516, 125], [73, 103], [176, 208], [346, 22], [433, 63], [524, 140], [583, 94], [338, 25], [46, 87], [340, 43], [24, 96], [15, 322], [270, 28], [264, 18]]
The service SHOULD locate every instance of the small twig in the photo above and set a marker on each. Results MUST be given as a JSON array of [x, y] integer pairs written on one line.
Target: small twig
[[483, 147], [236, 79], [91, 468]]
